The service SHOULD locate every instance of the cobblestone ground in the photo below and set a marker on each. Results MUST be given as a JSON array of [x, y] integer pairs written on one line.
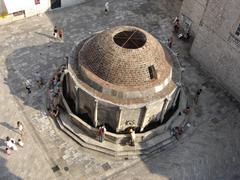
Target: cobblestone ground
[[209, 149]]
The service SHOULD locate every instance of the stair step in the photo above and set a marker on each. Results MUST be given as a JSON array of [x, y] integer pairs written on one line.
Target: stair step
[[109, 148]]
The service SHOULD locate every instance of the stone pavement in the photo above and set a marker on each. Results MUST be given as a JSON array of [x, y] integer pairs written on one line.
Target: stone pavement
[[209, 149]]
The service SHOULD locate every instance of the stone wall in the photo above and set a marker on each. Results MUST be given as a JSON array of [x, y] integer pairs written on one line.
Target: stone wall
[[118, 117], [216, 46], [193, 10]]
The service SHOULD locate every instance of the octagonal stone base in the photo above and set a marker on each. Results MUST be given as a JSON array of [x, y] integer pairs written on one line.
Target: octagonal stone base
[[118, 144]]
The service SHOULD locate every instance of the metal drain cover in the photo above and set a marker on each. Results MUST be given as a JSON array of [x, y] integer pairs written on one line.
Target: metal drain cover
[[106, 166]]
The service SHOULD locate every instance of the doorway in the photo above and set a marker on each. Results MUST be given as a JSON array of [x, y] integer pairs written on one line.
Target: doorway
[[55, 4]]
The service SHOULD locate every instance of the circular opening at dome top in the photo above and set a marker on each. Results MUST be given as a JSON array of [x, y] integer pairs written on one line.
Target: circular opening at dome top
[[132, 39]]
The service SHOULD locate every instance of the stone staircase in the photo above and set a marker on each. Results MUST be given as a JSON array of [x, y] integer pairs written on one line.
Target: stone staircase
[[109, 148]]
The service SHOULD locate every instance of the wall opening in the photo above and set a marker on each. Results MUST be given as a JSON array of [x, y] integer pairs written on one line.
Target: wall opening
[[55, 4], [152, 72], [132, 39]]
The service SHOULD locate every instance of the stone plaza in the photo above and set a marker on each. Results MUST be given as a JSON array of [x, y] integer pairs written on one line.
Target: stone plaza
[[209, 149]]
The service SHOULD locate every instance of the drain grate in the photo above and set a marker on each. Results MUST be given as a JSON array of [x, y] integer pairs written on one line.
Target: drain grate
[[55, 168], [66, 168], [106, 166]]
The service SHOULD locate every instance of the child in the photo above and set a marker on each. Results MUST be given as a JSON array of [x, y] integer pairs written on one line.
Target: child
[[11, 143]]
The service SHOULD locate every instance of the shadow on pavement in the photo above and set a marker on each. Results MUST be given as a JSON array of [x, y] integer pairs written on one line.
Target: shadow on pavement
[[9, 126], [4, 171], [24, 63], [46, 35]]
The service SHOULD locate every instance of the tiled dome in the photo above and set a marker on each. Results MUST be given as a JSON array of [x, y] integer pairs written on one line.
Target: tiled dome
[[125, 56]]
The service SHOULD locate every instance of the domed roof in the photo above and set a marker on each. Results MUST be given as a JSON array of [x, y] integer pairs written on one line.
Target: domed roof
[[125, 56]]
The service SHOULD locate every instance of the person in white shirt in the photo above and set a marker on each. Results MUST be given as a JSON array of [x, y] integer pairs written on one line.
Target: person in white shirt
[[133, 137], [20, 143], [106, 7], [10, 142], [20, 127], [28, 85]]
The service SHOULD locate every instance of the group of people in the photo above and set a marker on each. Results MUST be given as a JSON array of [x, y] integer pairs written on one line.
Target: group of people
[[176, 132], [55, 89], [183, 35], [102, 130], [58, 32], [38, 79], [195, 99], [11, 144], [176, 27]]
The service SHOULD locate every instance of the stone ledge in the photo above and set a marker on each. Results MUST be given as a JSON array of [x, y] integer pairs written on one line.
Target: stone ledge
[[110, 148]]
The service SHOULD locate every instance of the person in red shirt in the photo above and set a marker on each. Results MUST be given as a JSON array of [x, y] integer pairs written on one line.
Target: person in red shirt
[[101, 133]]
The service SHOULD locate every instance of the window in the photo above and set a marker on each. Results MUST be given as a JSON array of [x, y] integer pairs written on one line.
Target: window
[[37, 1], [238, 30], [152, 72]]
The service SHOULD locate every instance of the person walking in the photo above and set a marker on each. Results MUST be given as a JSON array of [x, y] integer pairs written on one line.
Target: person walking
[[133, 137], [28, 86], [20, 127], [176, 25], [7, 151], [39, 79], [55, 32], [187, 110], [20, 143], [170, 41], [106, 7], [61, 33], [199, 91]]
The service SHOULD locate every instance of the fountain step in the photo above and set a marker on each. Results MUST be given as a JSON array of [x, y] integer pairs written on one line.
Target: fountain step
[[110, 148]]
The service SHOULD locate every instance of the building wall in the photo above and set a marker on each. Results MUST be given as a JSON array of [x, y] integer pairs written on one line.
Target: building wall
[[216, 46], [3, 9], [108, 114], [31, 8], [193, 10]]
